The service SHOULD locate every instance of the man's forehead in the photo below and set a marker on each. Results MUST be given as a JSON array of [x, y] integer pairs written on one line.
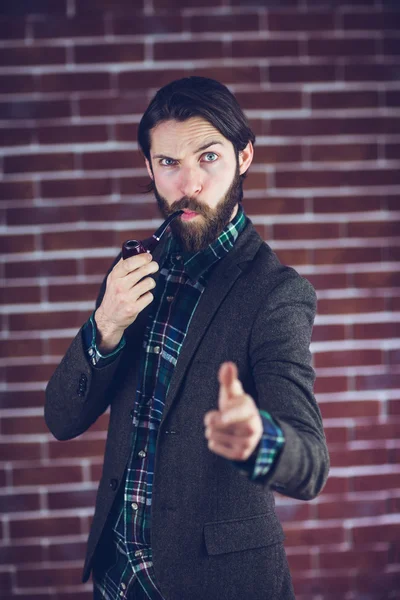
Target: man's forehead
[[172, 136]]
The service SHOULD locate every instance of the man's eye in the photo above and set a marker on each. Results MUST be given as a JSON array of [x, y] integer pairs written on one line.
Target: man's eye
[[210, 157], [166, 162]]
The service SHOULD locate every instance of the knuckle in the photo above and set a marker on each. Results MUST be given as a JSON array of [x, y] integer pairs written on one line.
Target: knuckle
[[142, 272], [242, 454], [256, 424], [246, 446], [135, 262], [142, 258], [129, 264], [249, 429]]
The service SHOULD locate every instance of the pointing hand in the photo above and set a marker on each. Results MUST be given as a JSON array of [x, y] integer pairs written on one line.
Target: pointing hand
[[234, 430]]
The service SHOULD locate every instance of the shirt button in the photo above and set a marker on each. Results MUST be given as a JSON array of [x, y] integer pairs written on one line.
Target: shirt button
[[142, 454], [157, 349], [121, 593], [179, 257], [170, 298], [139, 553], [134, 506], [123, 586]]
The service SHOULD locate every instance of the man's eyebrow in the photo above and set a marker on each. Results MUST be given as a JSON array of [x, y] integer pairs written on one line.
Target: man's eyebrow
[[204, 147]]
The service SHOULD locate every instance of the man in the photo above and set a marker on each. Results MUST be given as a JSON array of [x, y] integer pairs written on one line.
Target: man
[[202, 353]]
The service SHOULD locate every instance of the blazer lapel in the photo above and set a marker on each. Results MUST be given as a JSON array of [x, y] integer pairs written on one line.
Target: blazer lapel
[[220, 283]]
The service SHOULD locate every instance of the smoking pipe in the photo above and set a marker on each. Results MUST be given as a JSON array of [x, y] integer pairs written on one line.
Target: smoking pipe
[[133, 247]]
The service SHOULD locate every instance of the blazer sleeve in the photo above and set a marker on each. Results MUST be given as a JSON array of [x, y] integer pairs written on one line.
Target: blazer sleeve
[[284, 378], [77, 394]]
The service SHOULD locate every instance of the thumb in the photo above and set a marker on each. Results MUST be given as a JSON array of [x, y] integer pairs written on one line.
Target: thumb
[[230, 386]]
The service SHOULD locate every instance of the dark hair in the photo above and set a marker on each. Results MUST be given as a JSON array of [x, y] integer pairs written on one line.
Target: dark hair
[[190, 97]]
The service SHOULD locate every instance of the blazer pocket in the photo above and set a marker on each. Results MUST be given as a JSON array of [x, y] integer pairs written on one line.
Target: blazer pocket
[[242, 534]]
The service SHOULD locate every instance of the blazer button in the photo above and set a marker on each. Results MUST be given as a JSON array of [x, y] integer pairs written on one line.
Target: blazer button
[[113, 484], [82, 385]]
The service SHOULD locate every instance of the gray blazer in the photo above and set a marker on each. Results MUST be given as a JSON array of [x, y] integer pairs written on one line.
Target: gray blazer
[[215, 533]]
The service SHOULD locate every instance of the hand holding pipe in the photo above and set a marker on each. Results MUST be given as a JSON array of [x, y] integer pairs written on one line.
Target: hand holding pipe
[[133, 247]]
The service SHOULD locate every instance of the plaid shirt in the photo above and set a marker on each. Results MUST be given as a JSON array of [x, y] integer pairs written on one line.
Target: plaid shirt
[[180, 284]]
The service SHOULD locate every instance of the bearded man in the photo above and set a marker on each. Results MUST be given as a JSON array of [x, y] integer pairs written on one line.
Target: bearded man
[[201, 351]]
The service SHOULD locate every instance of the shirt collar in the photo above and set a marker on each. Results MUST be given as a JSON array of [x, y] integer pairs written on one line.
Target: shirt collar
[[196, 264]]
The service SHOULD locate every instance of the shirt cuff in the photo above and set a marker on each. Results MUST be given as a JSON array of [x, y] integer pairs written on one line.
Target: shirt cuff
[[98, 360], [263, 458]]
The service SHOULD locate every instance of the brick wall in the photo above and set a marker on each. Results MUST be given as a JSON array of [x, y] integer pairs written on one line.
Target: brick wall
[[320, 82]]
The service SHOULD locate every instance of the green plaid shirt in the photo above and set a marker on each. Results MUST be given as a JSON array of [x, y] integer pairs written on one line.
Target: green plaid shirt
[[180, 284]]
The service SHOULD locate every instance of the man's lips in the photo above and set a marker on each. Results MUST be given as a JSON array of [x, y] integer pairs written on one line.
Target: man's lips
[[188, 215]]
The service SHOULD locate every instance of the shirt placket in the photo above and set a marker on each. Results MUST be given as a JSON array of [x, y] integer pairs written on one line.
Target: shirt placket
[[139, 551], [137, 514]]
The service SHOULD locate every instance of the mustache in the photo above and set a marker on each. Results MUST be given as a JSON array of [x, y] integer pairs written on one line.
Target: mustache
[[190, 204]]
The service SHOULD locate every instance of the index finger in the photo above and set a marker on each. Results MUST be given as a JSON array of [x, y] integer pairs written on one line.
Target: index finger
[[123, 267], [227, 373], [228, 377]]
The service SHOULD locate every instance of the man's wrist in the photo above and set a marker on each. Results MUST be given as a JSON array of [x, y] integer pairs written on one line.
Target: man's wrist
[[266, 452], [108, 337], [96, 356]]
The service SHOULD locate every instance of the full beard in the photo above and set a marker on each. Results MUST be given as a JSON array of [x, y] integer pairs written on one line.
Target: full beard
[[198, 234]]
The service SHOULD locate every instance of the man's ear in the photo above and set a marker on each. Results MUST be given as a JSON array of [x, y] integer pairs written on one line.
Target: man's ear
[[149, 170], [246, 158]]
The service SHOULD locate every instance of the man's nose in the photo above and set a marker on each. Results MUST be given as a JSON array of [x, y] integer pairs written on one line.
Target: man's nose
[[190, 182]]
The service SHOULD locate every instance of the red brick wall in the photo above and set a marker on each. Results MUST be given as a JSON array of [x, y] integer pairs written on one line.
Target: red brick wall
[[320, 82]]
